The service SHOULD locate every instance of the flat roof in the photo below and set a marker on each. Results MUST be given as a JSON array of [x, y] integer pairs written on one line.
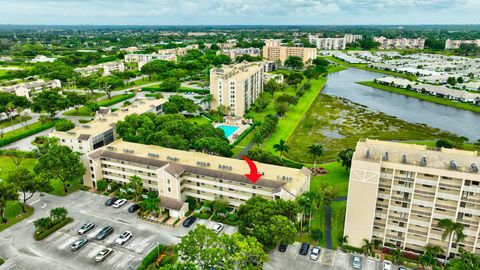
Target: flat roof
[[105, 122], [290, 179], [435, 158]]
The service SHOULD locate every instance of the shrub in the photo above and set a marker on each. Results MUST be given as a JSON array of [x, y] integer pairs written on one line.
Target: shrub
[[42, 235], [348, 248], [101, 185], [115, 100], [26, 133], [317, 234], [151, 257], [64, 125]]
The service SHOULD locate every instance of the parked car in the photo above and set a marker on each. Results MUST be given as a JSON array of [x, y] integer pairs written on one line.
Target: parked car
[[315, 253], [304, 249], [401, 268], [103, 254], [119, 203], [86, 228], [189, 221], [387, 265], [124, 237], [134, 208], [78, 244], [357, 262], [104, 233], [282, 247], [218, 228], [111, 201]]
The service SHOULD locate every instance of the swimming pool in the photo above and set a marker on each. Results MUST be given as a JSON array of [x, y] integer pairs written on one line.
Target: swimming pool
[[229, 130]]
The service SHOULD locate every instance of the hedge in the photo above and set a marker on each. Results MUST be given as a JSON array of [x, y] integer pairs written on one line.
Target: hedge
[[348, 248], [151, 257], [156, 89], [26, 133], [15, 153], [114, 100], [243, 135], [57, 226]]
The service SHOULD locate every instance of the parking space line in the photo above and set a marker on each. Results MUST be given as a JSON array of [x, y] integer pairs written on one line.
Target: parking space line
[[133, 243], [125, 261], [66, 243], [117, 255], [95, 251]]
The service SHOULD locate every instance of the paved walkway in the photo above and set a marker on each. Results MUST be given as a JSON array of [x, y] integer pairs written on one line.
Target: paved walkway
[[328, 222], [20, 125]]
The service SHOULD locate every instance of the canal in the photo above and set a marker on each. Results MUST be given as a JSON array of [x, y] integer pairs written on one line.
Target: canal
[[343, 84]]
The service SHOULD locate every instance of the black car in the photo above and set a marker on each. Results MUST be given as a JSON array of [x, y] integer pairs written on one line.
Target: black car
[[104, 233], [189, 221], [304, 249], [111, 201], [282, 247], [134, 208]]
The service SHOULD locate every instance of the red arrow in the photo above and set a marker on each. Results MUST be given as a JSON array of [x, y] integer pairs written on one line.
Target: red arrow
[[253, 176]]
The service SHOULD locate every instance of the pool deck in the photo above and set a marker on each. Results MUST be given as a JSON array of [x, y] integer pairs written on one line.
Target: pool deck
[[237, 133]]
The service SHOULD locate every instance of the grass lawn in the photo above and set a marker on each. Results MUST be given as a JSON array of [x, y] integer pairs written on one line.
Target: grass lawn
[[336, 176], [58, 188], [20, 130], [84, 111], [137, 83], [338, 124], [364, 67], [14, 214], [7, 165], [15, 120], [200, 120], [243, 143], [426, 97]]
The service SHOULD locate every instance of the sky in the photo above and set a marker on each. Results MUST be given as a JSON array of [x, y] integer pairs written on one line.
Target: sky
[[239, 12]]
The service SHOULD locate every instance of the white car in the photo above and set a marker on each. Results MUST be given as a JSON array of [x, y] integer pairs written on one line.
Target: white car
[[119, 203], [218, 228], [124, 237], [387, 265], [102, 254], [86, 228], [315, 253]]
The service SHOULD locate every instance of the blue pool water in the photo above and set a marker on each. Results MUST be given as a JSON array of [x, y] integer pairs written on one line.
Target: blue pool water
[[229, 130]]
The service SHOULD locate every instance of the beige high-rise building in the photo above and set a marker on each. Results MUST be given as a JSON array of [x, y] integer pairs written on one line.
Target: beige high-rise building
[[176, 175], [236, 86], [455, 44], [400, 43], [273, 51], [398, 192]]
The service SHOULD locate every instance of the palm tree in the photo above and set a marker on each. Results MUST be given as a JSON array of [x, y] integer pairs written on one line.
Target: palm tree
[[377, 244], [315, 150], [42, 223], [313, 197], [304, 203], [397, 255], [281, 147], [58, 214], [367, 248], [258, 138], [9, 109], [429, 256], [207, 99], [343, 240], [451, 229], [136, 185]]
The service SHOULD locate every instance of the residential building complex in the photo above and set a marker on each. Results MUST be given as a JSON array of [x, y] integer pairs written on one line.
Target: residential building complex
[[28, 89], [455, 44], [337, 43], [234, 53], [176, 175], [101, 130], [399, 192], [236, 86], [106, 68], [273, 51], [178, 51], [42, 59], [142, 59], [400, 43]]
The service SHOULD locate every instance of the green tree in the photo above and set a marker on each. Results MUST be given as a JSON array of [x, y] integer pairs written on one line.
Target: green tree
[[8, 193], [397, 255], [452, 230], [75, 100], [367, 248], [27, 183], [58, 214], [60, 162], [294, 62], [317, 234], [258, 139], [170, 85], [345, 156], [429, 256], [43, 223], [64, 125], [49, 101], [466, 261], [272, 86], [451, 80], [220, 205], [136, 185], [315, 150], [150, 205], [281, 147]]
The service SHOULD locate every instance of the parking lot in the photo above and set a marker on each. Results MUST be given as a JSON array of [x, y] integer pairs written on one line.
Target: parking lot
[[329, 259]]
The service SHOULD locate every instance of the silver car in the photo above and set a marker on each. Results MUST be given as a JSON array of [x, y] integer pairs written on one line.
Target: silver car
[[315, 253], [103, 254], [86, 228], [356, 262], [78, 244]]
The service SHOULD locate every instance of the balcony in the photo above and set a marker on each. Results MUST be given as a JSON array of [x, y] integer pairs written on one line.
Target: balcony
[[423, 202], [427, 182], [475, 189]]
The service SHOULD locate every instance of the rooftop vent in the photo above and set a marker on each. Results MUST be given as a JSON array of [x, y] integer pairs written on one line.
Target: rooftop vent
[[203, 164], [385, 157], [172, 158], [453, 165], [404, 159], [130, 151], [71, 132], [225, 167], [86, 126], [474, 167], [423, 161], [153, 155], [111, 148], [367, 154]]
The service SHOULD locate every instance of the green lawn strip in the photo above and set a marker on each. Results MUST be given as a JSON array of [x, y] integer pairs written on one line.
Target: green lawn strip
[[23, 132], [15, 120], [200, 120], [7, 165], [336, 176], [84, 111], [139, 83], [364, 67], [14, 214], [294, 115], [426, 97]]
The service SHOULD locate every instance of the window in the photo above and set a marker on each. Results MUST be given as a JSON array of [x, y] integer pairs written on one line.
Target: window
[[169, 190]]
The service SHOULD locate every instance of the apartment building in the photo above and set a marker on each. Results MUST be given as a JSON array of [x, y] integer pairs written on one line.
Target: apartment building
[[142, 59], [236, 86], [178, 51], [273, 51], [176, 175], [455, 44], [398, 192], [29, 89], [350, 38], [101, 130], [400, 43], [106, 68], [234, 53], [337, 43]]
